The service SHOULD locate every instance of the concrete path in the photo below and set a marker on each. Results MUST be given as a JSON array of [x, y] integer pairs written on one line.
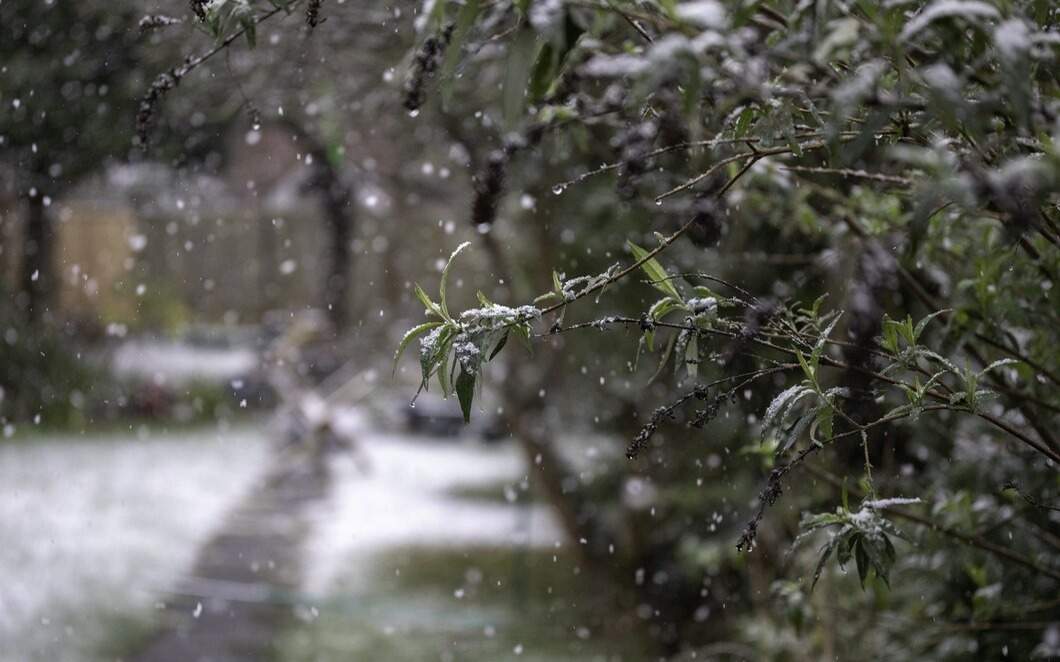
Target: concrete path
[[237, 598]]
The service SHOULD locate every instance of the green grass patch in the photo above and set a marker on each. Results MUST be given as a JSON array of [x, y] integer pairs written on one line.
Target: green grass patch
[[469, 604], [495, 492]]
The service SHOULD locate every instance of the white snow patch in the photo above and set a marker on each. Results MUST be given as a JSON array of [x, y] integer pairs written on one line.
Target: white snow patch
[[403, 501], [704, 13], [175, 362], [96, 528], [879, 504]]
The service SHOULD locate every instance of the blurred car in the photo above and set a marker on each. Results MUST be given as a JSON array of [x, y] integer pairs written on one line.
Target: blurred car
[[435, 416]]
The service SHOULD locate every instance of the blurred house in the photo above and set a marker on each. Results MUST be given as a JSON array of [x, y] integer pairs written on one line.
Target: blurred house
[[94, 252], [151, 247], [145, 245]]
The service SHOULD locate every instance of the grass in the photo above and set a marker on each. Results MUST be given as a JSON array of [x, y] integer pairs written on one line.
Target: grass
[[496, 492], [124, 633], [106, 430], [470, 604]]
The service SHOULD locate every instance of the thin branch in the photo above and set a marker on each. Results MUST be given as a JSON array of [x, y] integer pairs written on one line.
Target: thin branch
[[701, 392], [754, 155], [971, 540], [999, 423], [665, 243], [847, 172], [632, 21]]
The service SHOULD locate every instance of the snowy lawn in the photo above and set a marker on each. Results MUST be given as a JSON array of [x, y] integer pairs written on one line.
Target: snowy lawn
[[402, 567], [177, 362], [405, 499], [93, 528]]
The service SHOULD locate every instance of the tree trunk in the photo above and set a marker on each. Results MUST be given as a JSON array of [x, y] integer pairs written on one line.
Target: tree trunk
[[37, 248], [338, 202]]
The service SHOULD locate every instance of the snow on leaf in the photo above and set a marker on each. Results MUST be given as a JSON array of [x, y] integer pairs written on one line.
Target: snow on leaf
[[431, 306], [1000, 363], [779, 402], [879, 504], [465, 392], [947, 9], [411, 335], [704, 13]]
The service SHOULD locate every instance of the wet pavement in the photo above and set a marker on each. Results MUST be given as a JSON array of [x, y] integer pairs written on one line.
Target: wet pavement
[[236, 597]]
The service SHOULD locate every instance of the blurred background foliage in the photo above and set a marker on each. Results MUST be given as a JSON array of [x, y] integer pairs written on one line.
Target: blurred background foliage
[[898, 159]]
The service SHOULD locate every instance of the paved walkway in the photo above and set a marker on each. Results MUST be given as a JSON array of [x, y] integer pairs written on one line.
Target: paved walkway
[[237, 597]]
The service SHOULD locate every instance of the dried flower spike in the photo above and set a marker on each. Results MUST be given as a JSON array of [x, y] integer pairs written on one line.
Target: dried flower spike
[[312, 13], [149, 105], [424, 65], [198, 7]]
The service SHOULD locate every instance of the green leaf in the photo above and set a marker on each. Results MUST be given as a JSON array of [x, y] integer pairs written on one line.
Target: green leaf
[[524, 331], [875, 550], [818, 348], [743, 122], [942, 360], [411, 335], [794, 432], [886, 560], [432, 307], [811, 372], [861, 557], [780, 404], [445, 278], [845, 550], [432, 357], [663, 307], [544, 70], [445, 373], [825, 554], [521, 51], [997, 364], [549, 63], [465, 392], [464, 21], [906, 329], [922, 324], [660, 279], [249, 29], [825, 417], [436, 17], [890, 336], [499, 346]]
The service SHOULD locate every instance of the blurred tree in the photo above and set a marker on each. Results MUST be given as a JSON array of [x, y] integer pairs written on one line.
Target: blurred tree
[[866, 301], [70, 75], [889, 157]]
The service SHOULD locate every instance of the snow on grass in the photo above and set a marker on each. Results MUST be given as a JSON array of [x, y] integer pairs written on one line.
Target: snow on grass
[[405, 500], [95, 528], [179, 362]]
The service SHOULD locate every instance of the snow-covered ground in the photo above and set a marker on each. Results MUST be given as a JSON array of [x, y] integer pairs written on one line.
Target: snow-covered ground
[[405, 499], [176, 362], [93, 529]]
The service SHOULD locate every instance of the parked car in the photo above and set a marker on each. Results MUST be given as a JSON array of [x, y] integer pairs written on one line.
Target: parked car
[[435, 416]]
